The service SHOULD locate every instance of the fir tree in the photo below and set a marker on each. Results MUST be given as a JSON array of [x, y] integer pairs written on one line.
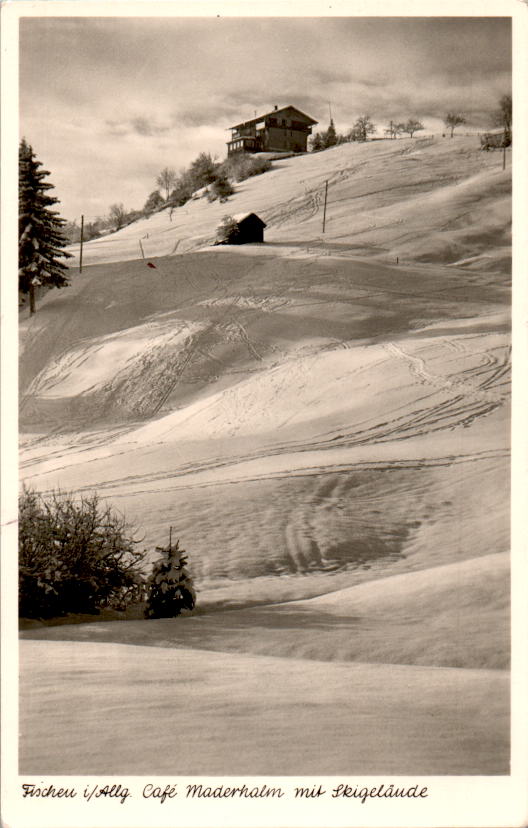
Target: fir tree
[[170, 587], [330, 137], [317, 142], [40, 235]]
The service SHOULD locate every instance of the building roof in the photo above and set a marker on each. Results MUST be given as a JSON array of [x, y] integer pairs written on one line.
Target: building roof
[[240, 217], [274, 113]]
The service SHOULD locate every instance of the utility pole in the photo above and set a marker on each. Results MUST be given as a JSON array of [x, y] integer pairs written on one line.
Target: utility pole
[[82, 240], [324, 211]]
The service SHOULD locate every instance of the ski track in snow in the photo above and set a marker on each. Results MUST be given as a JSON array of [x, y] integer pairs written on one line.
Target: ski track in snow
[[331, 529], [274, 373], [327, 432]]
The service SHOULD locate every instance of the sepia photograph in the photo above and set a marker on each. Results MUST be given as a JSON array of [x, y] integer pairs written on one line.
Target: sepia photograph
[[264, 401]]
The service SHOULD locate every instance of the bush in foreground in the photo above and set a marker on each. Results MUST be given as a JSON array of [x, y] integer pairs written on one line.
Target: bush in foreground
[[170, 586], [74, 557]]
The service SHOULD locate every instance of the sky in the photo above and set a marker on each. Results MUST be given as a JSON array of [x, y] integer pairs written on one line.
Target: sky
[[108, 102]]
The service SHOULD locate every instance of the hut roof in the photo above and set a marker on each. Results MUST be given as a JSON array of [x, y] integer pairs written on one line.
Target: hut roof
[[241, 217]]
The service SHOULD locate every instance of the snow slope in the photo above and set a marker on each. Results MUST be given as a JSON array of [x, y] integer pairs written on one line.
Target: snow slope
[[143, 711], [324, 420], [400, 619], [422, 199]]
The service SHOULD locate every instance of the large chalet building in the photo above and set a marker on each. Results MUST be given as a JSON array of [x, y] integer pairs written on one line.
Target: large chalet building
[[283, 130]]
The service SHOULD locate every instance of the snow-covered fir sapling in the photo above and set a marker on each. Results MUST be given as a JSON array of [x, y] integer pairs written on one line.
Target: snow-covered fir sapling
[[170, 587]]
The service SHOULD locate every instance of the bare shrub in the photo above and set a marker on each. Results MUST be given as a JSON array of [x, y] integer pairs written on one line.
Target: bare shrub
[[74, 556], [243, 165], [227, 231], [220, 189]]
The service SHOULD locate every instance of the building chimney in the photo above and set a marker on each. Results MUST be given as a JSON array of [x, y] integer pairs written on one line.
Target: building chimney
[[275, 107]]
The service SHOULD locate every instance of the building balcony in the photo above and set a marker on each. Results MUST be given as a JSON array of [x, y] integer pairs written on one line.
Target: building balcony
[[244, 143]]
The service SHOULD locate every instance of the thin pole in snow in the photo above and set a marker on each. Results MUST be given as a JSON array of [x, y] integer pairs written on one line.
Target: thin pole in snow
[[32, 307], [141, 248], [504, 156], [82, 240], [324, 211]]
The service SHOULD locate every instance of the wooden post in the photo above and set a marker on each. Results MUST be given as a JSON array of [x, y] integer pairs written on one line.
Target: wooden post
[[504, 155], [32, 308], [324, 211], [141, 248], [82, 240]]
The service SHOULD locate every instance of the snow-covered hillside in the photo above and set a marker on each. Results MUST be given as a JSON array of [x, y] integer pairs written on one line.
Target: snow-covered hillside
[[420, 199], [324, 419]]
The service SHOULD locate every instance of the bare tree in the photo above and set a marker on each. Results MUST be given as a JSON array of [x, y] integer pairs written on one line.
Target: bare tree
[[118, 215], [166, 180], [452, 120], [411, 126], [503, 117], [392, 130], [361, 129]]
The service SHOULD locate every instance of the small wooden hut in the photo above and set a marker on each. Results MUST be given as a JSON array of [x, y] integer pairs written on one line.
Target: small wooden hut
[[244, 228]]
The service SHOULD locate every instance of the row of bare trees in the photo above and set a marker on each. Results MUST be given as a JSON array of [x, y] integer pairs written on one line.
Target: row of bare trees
[[364, 127], [394, 129]]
